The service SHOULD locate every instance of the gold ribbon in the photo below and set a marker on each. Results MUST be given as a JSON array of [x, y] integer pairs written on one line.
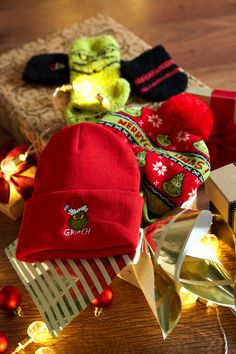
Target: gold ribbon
[[166, 263]]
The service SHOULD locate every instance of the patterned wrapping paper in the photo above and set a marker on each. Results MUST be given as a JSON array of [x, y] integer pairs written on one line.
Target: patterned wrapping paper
[[62, 289], [27, 110]]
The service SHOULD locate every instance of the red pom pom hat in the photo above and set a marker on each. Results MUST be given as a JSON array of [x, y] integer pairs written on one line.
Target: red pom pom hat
[[169, 146]]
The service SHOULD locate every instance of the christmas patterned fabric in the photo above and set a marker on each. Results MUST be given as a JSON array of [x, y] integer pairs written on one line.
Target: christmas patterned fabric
[[172, 156]]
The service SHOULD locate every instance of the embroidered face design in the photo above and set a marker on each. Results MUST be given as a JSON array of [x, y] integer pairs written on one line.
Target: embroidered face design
[[78, 215], [173, 187], [141, 158], [90, 55], [163, 139]]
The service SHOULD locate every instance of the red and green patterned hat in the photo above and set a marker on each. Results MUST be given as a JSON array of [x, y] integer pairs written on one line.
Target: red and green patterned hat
[[168, 143]]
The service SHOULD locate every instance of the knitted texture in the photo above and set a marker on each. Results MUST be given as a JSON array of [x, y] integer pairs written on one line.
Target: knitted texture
[[47, 69], [188, 112], [86, 202], [154, 75], [172, 158], [95, 77]]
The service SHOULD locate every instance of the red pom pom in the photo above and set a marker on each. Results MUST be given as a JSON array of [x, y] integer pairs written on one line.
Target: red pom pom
[[188, 112]]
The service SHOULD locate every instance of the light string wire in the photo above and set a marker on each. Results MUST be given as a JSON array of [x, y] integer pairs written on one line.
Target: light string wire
[[226, 348], [33, 149]]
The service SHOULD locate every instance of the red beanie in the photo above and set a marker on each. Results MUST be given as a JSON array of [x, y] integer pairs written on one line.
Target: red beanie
[[86, 202]]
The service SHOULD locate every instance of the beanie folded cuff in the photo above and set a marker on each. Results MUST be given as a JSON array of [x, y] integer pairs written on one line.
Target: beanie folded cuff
[[55, 227]]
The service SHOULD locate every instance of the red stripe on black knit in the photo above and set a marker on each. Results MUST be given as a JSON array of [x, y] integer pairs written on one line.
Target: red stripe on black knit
[[154, 75], [159, 80], [149, 75]]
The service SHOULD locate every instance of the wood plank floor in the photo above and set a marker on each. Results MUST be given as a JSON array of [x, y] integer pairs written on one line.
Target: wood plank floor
[[201, 37]]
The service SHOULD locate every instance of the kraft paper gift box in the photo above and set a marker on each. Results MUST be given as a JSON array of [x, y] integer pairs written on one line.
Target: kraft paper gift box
[[220, 188], [27, 110]]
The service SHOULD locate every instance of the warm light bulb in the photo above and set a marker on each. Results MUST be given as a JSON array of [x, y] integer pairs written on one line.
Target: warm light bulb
[[210, 244], [9, 165], [23, 157], [187, 297], [37, 331], [206, 248], [44, 350]]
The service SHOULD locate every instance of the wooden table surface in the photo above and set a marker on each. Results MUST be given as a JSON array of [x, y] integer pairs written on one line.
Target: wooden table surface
[[201, 37]]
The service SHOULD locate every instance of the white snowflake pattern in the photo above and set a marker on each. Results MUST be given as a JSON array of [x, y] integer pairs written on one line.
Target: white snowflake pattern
[[141, 122], [155, 120], [192, 193], [196, 181], [183, 136], [158, 166], [156, 183], [150, 133]]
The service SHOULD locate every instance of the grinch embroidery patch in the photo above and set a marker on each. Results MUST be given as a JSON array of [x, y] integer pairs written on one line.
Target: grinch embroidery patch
[[78, 218]]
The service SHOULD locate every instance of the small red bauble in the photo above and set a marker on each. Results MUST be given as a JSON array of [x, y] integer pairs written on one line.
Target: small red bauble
[[105, 298], [10, 298], [3, 342]]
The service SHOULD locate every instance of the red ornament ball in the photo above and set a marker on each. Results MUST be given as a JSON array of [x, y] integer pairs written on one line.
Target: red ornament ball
[[10, 298], [105, 298], [3, 342]]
